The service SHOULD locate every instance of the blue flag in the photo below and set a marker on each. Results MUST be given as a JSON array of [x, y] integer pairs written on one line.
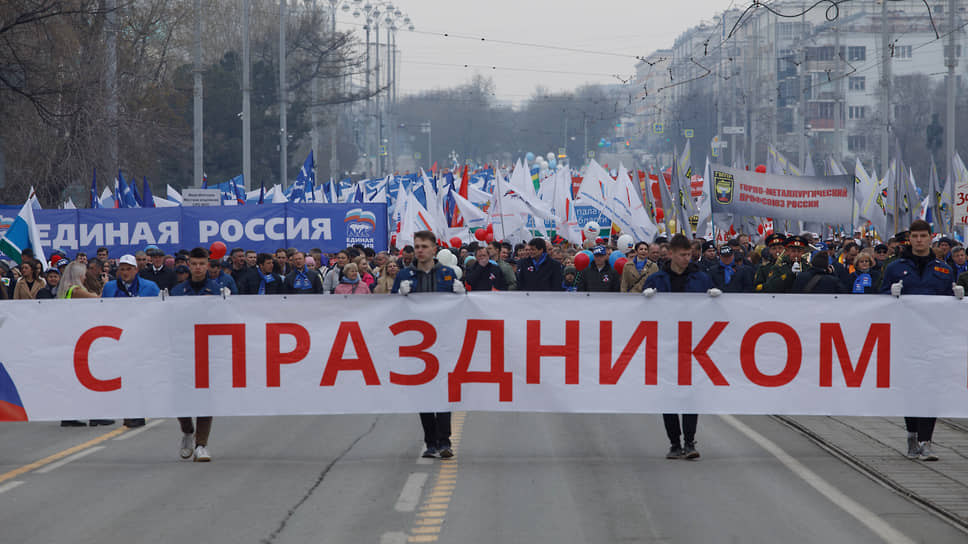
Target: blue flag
[[149, 201], [302, 189], [95, 201], [137, 197], [124, 195]]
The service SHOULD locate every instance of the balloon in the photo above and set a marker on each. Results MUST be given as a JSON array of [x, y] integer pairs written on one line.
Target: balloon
[[672, 226], [625, 242], [553, 163], [760, 169], [599, 241], [582, 259], [458, 272], [480, 234], [490, 237], [592, 228], [446, 257], [217, 250], [456, 242], [529, 157], [614, 257], [550, 156], [490, 227], [619, 265]]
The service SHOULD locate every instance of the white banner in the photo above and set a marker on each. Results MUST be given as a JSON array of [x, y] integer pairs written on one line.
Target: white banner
[[554, 352]]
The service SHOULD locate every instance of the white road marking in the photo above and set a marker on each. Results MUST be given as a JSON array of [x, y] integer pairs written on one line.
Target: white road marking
[[421, 460], [393, 538], [847, 504], [9, 485], [68, 459], [410, 496], [136, 432]]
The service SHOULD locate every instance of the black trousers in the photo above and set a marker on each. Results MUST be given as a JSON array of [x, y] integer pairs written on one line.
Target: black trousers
[[924, 426], [688, 428], [436, 428]]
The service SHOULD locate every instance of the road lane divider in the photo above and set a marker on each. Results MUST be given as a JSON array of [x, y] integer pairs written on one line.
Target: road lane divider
[[60, 455], [430, 516]]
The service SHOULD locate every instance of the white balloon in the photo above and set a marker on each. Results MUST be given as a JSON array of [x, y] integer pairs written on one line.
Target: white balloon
[[550, 155], [458, 272], [447, 258], [625, 242], [592, 227]]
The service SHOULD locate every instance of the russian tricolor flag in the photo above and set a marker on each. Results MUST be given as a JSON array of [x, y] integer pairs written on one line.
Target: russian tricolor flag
[[11, 407]]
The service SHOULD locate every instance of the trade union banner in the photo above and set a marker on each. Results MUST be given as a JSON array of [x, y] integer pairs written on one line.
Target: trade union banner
[[548, 352], [264, 228], [821, 199]]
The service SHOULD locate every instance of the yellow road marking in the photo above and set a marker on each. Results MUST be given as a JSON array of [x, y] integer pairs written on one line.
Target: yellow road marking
[[433, 509], [60, 455]]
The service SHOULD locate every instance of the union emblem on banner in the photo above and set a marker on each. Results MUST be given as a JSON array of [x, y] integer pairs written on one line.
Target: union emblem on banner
[[723, 183]]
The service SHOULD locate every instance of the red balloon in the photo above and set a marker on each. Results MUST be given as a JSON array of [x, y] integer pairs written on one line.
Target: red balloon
[[620, 264], [490, 227], [455, 242], [217, 250], [581, 261], [480, 234], [489, 238], [761, 168]]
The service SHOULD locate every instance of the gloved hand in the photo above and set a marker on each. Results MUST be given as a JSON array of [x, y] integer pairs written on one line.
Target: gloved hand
[[226, 292], [896, 288], [796, 267], [649, 293], [405, 287], [959, 291], [714, 292], [459, 287]]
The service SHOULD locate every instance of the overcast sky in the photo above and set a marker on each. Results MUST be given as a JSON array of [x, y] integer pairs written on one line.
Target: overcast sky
[[620, 27]]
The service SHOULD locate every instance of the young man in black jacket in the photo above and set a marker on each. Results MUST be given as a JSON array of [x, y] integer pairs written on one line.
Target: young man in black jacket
[[484, 275], [599, 277], [270, 283], [730, 275]]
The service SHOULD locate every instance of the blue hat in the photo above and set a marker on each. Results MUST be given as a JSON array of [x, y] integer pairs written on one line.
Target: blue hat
[[599, 250], [820, 246]]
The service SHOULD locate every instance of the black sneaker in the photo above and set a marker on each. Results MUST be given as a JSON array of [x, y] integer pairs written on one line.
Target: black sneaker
[[72, 423], [446, 453], [675, 452], [96, 422], [134, 422], [689, 451], [430, 452]]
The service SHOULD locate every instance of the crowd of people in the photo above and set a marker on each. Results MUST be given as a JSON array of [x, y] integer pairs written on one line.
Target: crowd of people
[[911, 262]]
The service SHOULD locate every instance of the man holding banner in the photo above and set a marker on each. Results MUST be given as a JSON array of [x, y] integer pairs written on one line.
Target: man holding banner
[[680, 276]]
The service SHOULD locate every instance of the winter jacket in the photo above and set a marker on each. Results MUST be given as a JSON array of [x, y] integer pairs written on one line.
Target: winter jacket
[[543, 274], [139, 288], [937, 279], [315, 284], [247, 280], [163, 278], [275, 284], [633, 279], [864, 283], [22, 292], [488, 277], [185, 288], [594, 280], [225, 280], [697, 281], [358, 288], [740, 282], [817, 280], [443, 277]]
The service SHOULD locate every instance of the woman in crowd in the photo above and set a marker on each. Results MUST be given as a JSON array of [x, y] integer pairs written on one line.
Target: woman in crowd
[[865, 278], [72, 283], [351, 283], [30, 282], [363, 266], [388, 274]]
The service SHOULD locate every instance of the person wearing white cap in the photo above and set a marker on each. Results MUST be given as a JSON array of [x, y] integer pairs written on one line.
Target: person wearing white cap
[[129, 284]]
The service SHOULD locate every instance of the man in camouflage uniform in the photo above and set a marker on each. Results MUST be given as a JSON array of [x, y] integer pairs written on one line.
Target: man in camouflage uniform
[[781, 276]]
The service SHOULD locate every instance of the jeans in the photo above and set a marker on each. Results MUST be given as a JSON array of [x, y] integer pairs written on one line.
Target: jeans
[[688, 429], [923, 426], [436, 428], [201, 433]]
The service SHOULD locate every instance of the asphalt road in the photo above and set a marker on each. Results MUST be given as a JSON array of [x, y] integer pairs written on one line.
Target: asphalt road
[[533, 478]]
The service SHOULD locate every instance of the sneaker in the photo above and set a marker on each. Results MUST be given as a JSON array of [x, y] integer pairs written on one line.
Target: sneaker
[[926, 453], [96, 422], [689, 451], [914, 450], [134, 422], [430, 452], [201, 455], [187, 442], [675, 452], [446, 453], [72, 423]]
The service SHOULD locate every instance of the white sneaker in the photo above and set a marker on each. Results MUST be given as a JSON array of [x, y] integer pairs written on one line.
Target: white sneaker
[[201, 455], [187, 441]]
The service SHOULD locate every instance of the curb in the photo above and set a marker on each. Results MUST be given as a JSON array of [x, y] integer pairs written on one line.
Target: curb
[[879, 477]]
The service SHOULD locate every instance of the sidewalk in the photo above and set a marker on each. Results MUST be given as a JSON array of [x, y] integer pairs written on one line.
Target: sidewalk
[[877, 446]]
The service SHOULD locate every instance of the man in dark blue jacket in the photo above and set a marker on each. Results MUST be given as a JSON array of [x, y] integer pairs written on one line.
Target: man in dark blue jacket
[[680, 275], [424, 275], [539, 272], [198, 284], [917, 271], [270, 283], [301, 280], [730, 275], [484, 274]]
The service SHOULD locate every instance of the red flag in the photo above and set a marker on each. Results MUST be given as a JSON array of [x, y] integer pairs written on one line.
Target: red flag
[[434, 168], [463, 184]]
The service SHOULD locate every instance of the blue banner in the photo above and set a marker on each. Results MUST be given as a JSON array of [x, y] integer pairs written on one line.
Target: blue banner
[[268, 227]]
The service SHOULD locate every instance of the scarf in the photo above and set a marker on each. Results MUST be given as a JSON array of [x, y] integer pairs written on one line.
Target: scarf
[[266, 280], [728, 271], [301, 280], [639, 265]]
